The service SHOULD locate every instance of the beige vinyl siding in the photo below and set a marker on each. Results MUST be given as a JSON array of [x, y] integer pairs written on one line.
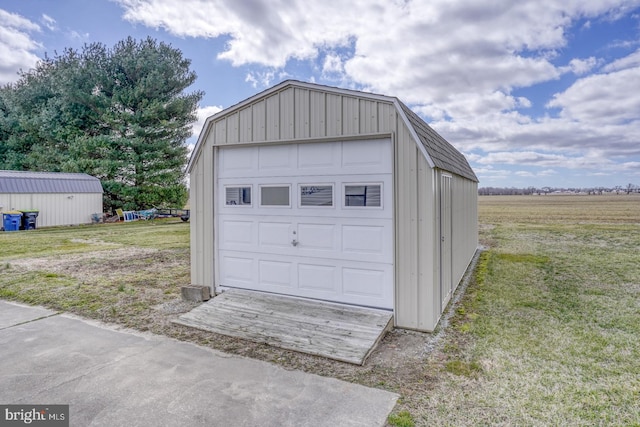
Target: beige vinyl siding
[[417, 279], [202, 237], [55, 208], [334, 115], [259, 118], [273, 118], [465, 225], [301, 113], [368, 116], [317, 114], [428, 275], [197, 242], [406, 229]]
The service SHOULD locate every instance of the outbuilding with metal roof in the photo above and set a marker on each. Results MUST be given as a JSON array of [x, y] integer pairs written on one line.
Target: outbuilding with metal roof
[[332, 194], [60, 198]]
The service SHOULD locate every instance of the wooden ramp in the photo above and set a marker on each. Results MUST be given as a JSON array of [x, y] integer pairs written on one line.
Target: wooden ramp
[[335, 331]]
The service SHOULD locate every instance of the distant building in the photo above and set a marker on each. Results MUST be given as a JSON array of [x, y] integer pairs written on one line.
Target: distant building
[[60, 198]]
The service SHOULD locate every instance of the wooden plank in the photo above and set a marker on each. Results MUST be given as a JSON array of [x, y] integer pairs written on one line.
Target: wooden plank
[[335, 331]]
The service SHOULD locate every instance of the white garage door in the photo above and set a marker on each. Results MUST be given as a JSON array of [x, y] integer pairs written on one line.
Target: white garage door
[[310, 220]]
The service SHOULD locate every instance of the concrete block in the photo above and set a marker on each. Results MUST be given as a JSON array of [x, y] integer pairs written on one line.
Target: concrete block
[[195, 293]]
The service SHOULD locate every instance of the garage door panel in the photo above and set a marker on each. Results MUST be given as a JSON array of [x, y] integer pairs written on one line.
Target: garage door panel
[[237, 234], [366, 156], [236, 161], [275, 235], [318, 156], [367, 242], [277, 158], [237, 271], [367, 286], [317, 278], [361, 282], [363, 239], [276, 273], [317, 237]]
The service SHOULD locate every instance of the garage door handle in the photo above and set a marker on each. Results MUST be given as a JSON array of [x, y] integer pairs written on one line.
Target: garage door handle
[[294, 242]]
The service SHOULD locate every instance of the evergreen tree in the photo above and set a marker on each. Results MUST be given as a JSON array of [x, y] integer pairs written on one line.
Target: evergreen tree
[[119, 114]]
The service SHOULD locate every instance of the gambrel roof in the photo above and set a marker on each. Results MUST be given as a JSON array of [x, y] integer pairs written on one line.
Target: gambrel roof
[[12, 182], [443, 154], [438, 151]]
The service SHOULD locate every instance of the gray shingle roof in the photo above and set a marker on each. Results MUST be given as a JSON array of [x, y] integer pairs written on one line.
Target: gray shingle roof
[[443, 154], [48, 182]]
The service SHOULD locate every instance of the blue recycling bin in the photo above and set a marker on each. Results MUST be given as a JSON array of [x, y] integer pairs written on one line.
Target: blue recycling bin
[[11, 220]]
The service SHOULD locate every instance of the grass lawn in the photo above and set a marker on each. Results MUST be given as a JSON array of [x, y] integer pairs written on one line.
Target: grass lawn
[[111, 272], [547, 332]]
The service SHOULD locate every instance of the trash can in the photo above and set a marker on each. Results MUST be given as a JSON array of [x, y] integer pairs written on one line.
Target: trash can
[[29, 220], [11, 220]]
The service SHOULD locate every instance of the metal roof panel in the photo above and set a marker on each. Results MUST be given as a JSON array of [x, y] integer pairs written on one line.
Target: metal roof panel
[[48, 182]]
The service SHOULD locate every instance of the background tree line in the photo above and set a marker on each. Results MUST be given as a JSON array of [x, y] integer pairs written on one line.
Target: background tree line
[[504, 191], [120, 114]]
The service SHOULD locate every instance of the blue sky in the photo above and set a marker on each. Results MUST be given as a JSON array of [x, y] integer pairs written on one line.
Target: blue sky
[[533, 93]]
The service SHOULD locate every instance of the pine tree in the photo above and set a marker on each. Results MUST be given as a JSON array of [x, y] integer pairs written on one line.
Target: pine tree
[[119, 114]]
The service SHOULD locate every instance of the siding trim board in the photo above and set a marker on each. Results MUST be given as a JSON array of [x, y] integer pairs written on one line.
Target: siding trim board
[[295, 112]]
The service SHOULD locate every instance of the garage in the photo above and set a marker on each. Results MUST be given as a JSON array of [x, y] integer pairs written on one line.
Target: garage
[[330, 194], [308, 220]]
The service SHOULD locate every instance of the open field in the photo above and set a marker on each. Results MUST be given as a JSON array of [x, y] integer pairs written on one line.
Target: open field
[[550, 325], [546, 333]]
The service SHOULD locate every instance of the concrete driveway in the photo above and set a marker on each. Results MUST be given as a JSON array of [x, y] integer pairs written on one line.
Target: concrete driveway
[[112, 377]]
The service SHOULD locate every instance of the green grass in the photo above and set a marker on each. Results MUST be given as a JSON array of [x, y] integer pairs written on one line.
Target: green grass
[[158, 234], [112, 272], [552, 317], [401, 419]]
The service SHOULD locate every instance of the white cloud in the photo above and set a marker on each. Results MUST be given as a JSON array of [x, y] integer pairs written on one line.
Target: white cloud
[[74, 35], [582, 66], [629, 61], [204, 113], [602, 99], [260, 78], [332, 65], [49, 22], [420, 51], [16, 45]]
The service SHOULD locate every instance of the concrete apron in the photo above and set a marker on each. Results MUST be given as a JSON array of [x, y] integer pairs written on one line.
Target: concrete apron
[[115, 377]]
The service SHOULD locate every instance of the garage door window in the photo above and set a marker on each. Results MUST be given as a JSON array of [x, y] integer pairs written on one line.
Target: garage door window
[[274, 195], [363, 195], [238, 196], [316, 195]]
